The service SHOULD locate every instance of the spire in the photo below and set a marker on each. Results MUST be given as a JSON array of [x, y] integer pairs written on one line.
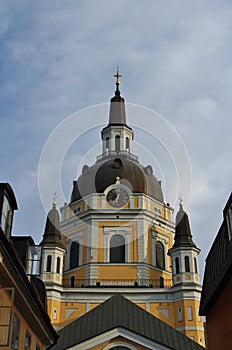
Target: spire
[[52, 235], [183, 236], [117, 106]]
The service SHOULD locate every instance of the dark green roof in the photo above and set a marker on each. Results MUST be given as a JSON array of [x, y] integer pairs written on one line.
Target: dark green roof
[[183, 236], [52, 235], [120, 312]]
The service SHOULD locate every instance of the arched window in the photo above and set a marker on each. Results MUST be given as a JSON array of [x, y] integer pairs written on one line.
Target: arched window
[[177, 265], [49, 263], [74, 255], [119, 348], [117, 143], [159, 252], [58, 265], [186, 262], [127, 143], [195, 265], [117, 249], [107, 143]]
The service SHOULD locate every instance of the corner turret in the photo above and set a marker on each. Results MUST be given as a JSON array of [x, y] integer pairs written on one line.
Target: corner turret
[[184, 253], [52, 248]]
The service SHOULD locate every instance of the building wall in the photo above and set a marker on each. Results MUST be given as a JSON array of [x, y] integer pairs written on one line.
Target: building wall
[[142, 229], [219, 321], [8, 310]]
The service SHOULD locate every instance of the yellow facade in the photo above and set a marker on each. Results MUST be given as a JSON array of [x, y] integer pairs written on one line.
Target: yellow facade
[[123, 275], [143, 267]]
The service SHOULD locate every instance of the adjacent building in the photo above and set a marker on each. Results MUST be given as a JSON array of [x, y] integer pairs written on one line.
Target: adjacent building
[[24, 322], [216, 300]]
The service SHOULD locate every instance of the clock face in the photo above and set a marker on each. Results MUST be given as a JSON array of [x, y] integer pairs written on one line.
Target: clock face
[[117, 197]]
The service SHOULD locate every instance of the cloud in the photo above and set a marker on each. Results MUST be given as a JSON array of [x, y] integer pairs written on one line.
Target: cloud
[[59, 57]]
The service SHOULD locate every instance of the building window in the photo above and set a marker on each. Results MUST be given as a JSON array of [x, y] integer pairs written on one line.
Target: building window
[[186, 262], [6, 302], [38, 347], [195, 265], [33, 260], [117, 143], [119, 348], [161, 282], [76, 210], [55, 313], [58, 265], [159, 252], [190, 313], [74, 255], [72, 281], [107, 143], [15, 333], [127, 143], [179, 315], [6, 219], [117, 249], [177, 265], [49, 263], [27, 341]]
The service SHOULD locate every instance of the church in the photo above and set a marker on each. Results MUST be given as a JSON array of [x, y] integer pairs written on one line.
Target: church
[[115, 246], [120, 270]]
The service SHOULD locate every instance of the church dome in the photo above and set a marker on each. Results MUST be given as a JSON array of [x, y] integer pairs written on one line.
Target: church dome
[[117, 159], [97, 178]]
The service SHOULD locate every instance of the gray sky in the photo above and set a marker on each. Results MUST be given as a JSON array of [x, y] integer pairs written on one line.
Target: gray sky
[[58, 57]]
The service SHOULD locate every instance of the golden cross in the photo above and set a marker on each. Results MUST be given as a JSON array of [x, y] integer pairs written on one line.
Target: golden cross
[[54, 198], [181, 201], [117, 76]]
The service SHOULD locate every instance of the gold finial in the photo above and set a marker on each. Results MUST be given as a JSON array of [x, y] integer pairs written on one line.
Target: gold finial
[[180, 201], [117, 76], [117, 179], [54, 200]]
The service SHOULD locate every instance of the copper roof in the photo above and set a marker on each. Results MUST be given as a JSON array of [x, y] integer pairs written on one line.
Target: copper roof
[[97, 178], [121, 312]]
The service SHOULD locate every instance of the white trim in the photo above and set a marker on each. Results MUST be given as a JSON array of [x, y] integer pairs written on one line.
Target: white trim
[[75, 237], [229, 222], [157, 236], [112, 345], [109, 232], [188, 328]]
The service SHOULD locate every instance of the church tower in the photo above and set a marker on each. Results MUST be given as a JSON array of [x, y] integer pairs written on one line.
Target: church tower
[[118, 233], [53, 251], [184, 252]]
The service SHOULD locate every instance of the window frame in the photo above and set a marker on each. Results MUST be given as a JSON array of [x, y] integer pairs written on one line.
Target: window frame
[[159, 264], [73, 265], [187, 264], [49, 263], [118, 250]]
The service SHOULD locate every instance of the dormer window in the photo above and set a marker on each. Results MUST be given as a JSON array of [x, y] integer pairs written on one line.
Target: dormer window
[[6, 217], [7, 206], [229, 222]]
